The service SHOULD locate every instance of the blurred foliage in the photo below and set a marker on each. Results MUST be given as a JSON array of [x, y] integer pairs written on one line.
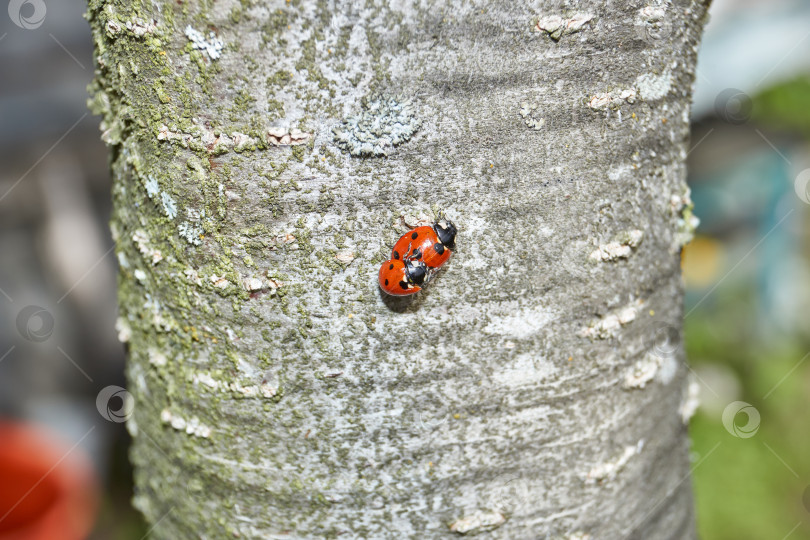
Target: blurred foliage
[[756, 487], [751, 488], [785, 106]]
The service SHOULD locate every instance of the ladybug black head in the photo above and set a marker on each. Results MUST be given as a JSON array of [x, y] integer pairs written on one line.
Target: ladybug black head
[[446, 232], [416, 271]]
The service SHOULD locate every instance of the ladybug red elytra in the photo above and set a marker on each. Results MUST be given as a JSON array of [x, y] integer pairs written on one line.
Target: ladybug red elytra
[[431, 244], [402, 277]]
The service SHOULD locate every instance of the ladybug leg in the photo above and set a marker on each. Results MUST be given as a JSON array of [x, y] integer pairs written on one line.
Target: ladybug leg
[[404, 224], [429, 275]]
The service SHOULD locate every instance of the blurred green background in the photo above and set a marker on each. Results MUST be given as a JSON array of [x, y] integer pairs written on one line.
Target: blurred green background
[[746, 324]]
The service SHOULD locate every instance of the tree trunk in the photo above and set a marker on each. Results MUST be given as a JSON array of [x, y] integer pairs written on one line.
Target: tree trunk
[[266, 156]]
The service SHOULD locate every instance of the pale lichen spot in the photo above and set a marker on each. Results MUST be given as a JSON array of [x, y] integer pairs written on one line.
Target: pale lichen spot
[[524, 370], [641, 373], [211, 47], [519, 324], [477, 522], [220, 282], [383, 123], [345, 256], [252, 284], [192, 426], [407, 221], [137, 27], [214, 142], [192, 275], [123, 329], [621, 247], [604, 472], [132, 427], [278, 136], [527, 113], [266, 389], [169, 205], [613, 99], [682, 206], [579, 535], [123, 262], [160, 318], [556, 26], [157, 358], [691, 400], [619, 171], [261, 283], [652, 87], [151, 185], [142, 242], [657, 364], [191, 232], [609, 325]]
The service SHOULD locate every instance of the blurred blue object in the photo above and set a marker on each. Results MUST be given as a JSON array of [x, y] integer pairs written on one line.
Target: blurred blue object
[[748, 204]]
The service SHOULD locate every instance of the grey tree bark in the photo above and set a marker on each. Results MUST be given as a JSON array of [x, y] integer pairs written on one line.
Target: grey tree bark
[[266, 156]]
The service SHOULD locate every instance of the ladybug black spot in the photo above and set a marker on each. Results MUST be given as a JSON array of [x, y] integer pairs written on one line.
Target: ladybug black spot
[[391, 266], [438, 247], [386, 283], [396, 255], [414, 236], [403, 284]]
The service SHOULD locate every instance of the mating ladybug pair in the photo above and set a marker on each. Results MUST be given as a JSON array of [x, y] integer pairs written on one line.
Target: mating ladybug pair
[[416, 257]]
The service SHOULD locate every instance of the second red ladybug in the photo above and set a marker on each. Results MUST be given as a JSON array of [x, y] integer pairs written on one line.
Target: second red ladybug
[[432, 244]]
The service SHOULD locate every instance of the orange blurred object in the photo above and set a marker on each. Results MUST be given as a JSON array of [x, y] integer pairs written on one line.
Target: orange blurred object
[[702, 261], [48, 489]]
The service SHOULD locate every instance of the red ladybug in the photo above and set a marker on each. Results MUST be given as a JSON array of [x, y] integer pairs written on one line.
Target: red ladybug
[[433, 244], [401, 278]]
